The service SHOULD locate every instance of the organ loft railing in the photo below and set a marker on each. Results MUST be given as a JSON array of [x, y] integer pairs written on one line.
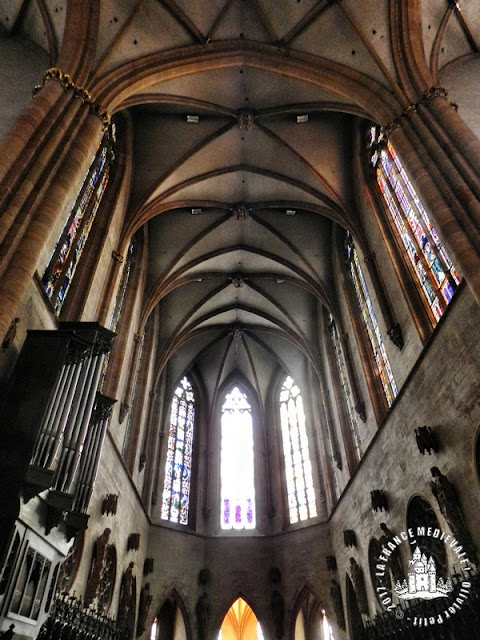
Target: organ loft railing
[[54, 421]]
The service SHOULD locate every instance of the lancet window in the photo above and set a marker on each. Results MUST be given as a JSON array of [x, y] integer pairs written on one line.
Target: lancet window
[[237, 462], [375, 338], [64, 261], [178, 467], [434, 272], [298, 467], [345, 386]]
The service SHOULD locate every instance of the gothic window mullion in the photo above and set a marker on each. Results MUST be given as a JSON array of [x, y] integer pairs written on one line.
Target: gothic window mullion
[[375, 339], [403, 226], [298, 468], [435, 274], [176, 488]]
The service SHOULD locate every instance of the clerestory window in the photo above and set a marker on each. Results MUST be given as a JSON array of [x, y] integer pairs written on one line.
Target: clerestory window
[[178, 467], [237, 462], [298, 468], [434, 272]]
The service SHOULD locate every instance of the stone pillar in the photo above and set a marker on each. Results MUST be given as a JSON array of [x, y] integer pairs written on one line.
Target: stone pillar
[[51, 179]]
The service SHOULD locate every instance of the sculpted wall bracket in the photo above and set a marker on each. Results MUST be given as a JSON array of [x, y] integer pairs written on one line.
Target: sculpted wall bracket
[[54, 73], [426, 440]]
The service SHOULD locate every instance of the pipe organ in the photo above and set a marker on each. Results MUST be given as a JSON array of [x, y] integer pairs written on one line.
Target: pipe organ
[[54, 421]]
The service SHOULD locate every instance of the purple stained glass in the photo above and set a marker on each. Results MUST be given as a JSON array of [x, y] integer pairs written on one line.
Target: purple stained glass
[[249, 511], [238, 514], [226, 511]]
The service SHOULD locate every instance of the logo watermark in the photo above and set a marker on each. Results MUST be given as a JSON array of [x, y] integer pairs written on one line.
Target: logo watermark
[[422, 582]]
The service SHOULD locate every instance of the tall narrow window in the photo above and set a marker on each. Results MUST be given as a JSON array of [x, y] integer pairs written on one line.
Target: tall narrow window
[[345, 385], [178, 468], [298, 468], [237, 473], [62, 266], [431, 264], [133, 394], [122, 289], [368, 314]]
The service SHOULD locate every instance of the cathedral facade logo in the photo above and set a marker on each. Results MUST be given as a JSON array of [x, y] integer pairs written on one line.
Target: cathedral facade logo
[[422, 582]]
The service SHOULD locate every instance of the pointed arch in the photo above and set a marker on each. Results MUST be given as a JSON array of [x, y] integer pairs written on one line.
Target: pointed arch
[[307, 615], [240, 622], [298, 467], [237, 463], [170, 615], [178, 465]]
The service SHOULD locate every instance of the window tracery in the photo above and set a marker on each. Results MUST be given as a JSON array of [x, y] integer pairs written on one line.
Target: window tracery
[[63, 263], [345, 386], [237, 462], [178, 467], [375, 338], [298, 467], [434, 272]]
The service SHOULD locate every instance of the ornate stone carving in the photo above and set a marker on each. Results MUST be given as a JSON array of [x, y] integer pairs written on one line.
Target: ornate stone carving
[[449, 505], [117, 257], [204, 577], [434, 92], [202, 612], [426, 440], [142, 461], [54, 73], [331, 563], [358, 583], [97, 566], [246, 121], [148, 566], [241, 211], [350, 538], [143, 607], [360, 409], [127, 601], [133, 542], [124, 409], [379, 500], [336, 594], [109, 504], [395, 334]]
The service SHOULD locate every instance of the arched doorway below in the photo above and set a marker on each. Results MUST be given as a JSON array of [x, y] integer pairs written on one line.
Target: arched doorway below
[[240, 623]]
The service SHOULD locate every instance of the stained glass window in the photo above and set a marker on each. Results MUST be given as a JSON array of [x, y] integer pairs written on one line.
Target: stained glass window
[[178, 467], [133, 394], [432, 266], [345, 385], [298, 468], [368, 315], [62, 266], [237, 472]]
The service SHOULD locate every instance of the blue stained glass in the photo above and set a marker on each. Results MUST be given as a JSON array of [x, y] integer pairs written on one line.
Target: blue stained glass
[[62, 266], [176, 491], [432, 266]]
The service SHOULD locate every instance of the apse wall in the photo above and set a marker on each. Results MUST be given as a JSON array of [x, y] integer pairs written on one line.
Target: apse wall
[[240, 566]]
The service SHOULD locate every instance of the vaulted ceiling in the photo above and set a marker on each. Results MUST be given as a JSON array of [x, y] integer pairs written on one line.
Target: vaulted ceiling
[[243, 115]]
